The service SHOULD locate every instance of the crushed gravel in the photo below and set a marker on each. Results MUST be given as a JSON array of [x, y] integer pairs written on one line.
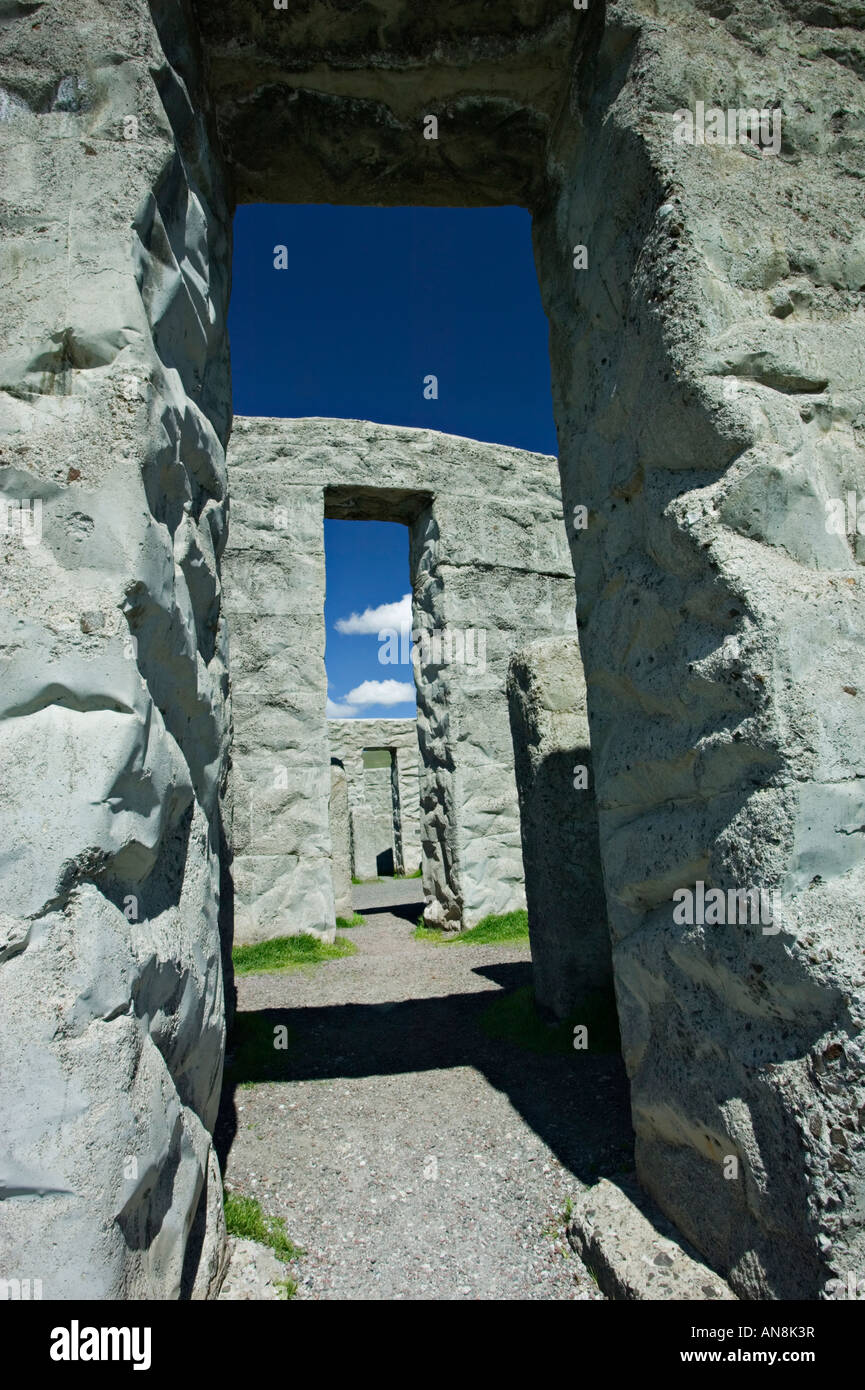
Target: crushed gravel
[[412, 1156]]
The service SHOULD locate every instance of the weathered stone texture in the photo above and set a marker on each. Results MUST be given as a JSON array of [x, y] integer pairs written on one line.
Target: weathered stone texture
[[302, 91], [488, 554], [340, 840], [254, 1273], [114, 410], [568, 927], [634, 1253], [274, 588], [721, 626]]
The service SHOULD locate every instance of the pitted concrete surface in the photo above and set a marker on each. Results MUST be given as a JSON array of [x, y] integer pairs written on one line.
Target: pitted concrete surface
[[412, 1156]]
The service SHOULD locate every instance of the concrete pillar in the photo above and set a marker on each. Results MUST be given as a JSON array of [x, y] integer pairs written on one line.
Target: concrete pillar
[[340, 838], [568, 927]]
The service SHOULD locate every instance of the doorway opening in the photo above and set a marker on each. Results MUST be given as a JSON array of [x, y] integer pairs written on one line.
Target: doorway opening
[[382, 796], [484, 572]]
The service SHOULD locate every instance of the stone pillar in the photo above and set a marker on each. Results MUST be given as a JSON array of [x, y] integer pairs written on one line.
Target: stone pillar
[[378, 794], [274, 585], [570, 938], [708, 370], [469, 615], [340, 838], [115, 260], [406, 759], [363, 840], [398, 866]]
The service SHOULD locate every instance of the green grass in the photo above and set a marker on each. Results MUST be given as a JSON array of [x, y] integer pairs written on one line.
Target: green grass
[[494, 930], [513, 1017], [355, 920], [437, 938], [245, 1219], [287, 1287], [288, 953], [509, 926], [365, 880], [403, 878]]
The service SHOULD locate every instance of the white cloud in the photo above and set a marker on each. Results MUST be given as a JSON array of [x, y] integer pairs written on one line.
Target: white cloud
[[338, 711], [374, 620], [382, 693]]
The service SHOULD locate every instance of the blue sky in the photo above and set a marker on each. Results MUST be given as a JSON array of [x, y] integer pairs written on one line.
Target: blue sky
[[372, 301]]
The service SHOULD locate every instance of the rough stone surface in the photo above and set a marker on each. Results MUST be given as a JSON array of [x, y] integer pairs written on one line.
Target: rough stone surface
[[253, 1273], [348, 739], [114, 411], [488, 566], [634, 1253], [708, 375], [340, 840], [559, 825], [491, 73]]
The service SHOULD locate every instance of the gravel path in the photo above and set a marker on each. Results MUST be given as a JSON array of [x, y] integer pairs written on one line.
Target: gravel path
[[412, 1156]]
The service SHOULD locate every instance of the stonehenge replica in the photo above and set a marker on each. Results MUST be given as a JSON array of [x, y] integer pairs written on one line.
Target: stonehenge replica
[[661, 753]]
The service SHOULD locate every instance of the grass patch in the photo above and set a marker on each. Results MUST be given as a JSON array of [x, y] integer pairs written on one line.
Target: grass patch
[[508, 926], [355, 920], [365, 880], [513, 1018], [287, 1287], [431, 934], [288, 953], [403, 878], [494, 930], [245, 1219]]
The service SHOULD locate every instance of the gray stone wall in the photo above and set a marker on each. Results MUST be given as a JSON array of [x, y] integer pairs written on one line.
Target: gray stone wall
[[488, 559], [114, 412]]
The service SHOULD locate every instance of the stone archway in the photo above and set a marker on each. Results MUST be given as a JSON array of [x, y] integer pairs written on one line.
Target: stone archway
[[705, 310], [489, 572], [399, 823]]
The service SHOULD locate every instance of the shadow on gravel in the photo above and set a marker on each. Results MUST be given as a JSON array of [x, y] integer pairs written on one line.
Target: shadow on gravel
[[408, 911], [577, 1103]]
